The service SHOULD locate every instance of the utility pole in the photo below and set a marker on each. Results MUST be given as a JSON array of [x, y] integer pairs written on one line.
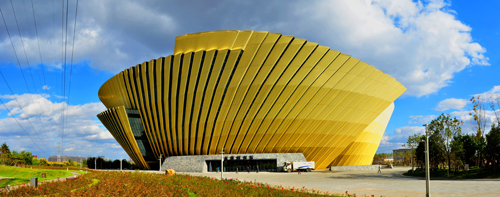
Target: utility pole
[[95, 163], [221, 163], [121, 163], [427, 171], [160, 162]]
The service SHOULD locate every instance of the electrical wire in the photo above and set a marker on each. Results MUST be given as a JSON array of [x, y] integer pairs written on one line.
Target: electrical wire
[[72, 52], [19, 64], [64, 89], [38, 41], [40, 54], [22, 127]]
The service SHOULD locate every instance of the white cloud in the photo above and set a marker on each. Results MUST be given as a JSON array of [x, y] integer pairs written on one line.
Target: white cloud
[[83, 133], [419, 119], [115, 146], [46, 87], [110, 35], [422, 45], [451, 103], [492, 95], [397, 138]]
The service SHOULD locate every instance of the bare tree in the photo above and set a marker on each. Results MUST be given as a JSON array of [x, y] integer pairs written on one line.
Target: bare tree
[[413, 143], [479, 121], [479, 114], [494, 101]]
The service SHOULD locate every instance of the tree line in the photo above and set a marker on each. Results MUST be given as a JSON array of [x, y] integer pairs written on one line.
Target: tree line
[[14, 158], [452, 150], [100, 163], [25, 158]]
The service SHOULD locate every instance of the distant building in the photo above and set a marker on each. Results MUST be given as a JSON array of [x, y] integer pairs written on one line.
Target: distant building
[[35, 156], [399, 153], [66, 158]]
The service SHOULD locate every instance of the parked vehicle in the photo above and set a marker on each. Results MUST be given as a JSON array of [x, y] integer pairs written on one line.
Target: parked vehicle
[[302, 166]]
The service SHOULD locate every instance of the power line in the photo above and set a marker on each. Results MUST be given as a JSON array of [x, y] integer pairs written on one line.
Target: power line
[[15, 97], [38, 41], [72, 52], [22, 127], [29, 33], [29, 68], [41, 62], [17, 58], [64, 89], [20, 35]]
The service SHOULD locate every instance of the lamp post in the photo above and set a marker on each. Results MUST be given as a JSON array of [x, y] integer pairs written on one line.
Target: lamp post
[[427, 171], [160, 162], [221, 163]]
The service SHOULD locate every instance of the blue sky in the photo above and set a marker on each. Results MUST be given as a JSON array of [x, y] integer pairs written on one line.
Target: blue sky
[[442, 51]]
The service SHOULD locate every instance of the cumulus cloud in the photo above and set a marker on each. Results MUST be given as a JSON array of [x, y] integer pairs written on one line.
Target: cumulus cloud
[[46, 87], [451, 103], [420, 119], [422, 45], [110, 35], [42, 121], [395, 139]]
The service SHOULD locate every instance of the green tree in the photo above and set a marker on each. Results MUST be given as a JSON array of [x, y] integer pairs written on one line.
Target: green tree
[[70, 161], [84, 163], [35, 162], [4, 148], [459, 152], [27, 157], [412, 143], [43, 162], [445, 128], [492, 148], [6, 158], [16, 158]]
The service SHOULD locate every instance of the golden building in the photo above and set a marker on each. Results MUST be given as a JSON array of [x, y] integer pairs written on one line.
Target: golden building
[[250, 92]]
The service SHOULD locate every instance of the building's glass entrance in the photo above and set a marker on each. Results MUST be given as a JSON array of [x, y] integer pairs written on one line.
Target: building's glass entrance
[[243, 165]]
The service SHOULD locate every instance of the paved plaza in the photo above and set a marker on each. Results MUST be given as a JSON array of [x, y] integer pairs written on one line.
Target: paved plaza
[[390, 182]]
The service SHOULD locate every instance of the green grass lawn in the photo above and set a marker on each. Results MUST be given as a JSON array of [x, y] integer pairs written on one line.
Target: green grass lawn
[[472, 173], [23, 175]]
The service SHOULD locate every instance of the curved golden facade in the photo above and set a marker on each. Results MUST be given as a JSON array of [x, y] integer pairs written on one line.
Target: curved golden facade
[[250, 92]]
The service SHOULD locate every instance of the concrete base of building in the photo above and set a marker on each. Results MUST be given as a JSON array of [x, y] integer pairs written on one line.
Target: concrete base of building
[[349, 168], [198, 163]]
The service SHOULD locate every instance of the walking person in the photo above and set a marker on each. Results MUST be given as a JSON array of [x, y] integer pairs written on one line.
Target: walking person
[[257, 168], [218, 168], [248, 169], [298, 171], [236, 170], [379, 171]]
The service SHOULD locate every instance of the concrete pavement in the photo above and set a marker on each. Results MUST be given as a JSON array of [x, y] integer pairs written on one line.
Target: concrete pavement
[[390, 182]]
